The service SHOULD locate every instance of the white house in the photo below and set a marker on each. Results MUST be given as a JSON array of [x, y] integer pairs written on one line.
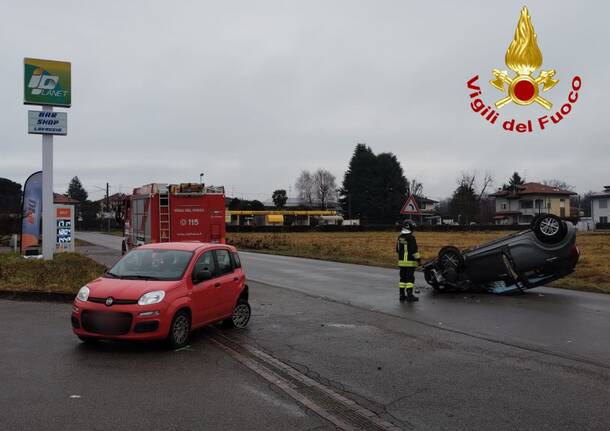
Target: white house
[[600, 206]]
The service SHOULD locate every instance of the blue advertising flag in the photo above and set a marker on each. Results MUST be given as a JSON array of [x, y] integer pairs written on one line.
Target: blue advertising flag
[[31, 211]]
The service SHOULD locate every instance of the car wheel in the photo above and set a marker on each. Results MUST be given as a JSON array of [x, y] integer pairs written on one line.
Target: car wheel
[[88, 340], [240, 316], [429, 277], [180, 330], [450, 258], [549, 228]]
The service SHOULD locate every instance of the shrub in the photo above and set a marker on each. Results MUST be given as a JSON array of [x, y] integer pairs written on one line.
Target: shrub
[[66, 273]]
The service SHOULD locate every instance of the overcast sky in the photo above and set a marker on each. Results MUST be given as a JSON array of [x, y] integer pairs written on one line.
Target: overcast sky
[[252, 92]]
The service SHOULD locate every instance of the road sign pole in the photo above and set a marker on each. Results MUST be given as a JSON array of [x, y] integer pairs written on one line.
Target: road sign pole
[[48, 215]]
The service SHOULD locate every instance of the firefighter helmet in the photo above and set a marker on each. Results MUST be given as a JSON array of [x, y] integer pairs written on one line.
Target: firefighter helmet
[[408, 224]]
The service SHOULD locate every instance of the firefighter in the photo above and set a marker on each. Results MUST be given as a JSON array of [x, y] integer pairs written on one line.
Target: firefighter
[[408, 260]]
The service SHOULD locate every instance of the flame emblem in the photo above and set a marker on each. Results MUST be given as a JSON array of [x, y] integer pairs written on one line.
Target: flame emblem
[[524, 57]]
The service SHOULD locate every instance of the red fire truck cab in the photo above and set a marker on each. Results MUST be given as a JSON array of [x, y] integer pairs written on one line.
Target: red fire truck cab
[[173, 213]]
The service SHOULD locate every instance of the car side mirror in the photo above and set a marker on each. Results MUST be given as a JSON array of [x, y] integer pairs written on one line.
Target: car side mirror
[[202, 275]]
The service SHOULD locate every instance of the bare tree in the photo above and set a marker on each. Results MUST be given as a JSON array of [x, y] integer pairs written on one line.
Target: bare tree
[[467, 180], [469, 201], [325, 186], [487, 182], [415, 188], [558, 184], [306, 188]]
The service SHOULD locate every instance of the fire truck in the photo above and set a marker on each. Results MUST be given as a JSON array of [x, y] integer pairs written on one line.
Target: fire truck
[[174, 212]]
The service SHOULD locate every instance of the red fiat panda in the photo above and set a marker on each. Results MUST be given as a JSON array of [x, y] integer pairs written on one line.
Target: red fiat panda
[[164, 291]]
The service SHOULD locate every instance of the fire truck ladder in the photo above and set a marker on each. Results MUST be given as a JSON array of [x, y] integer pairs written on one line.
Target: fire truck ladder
[[164, 222]]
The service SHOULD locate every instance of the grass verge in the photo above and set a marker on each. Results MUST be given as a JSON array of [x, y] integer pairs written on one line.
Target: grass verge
[[65, 274], [377, 248]]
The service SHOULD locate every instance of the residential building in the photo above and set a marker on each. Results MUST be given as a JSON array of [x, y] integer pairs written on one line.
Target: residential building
[[520, 204], [429, 210], [600, 207], [116, 203], [64, 200]]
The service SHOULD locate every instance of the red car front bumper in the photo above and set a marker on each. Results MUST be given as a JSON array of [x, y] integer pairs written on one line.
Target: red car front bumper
[[120, 321]]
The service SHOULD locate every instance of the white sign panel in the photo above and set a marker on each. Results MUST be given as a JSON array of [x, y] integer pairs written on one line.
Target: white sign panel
[[47, 123]]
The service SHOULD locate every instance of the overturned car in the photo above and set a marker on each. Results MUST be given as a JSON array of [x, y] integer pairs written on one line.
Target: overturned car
[[545, 252]]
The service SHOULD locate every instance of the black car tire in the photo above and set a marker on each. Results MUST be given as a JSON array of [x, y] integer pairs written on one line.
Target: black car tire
[[88, 340], [429, 277], [450, 257], [179, 330], [240, 316], [549, 228]]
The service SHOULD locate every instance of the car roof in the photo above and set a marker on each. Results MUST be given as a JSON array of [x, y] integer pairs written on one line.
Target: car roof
[[184, 246]]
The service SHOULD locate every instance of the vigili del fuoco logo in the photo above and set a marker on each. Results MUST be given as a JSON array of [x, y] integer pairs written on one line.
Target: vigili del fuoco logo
[[524, 88]]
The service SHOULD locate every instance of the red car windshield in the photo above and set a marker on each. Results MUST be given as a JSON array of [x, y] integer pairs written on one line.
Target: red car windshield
[[151, 264]]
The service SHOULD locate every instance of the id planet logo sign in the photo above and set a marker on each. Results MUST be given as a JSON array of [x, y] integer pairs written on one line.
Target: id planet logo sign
[[46, 82]]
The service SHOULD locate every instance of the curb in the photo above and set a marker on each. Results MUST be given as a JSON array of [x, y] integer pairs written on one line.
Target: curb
[[37, 296]]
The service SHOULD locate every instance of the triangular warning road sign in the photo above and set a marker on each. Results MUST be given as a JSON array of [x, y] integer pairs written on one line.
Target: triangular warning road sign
[[410, 206]]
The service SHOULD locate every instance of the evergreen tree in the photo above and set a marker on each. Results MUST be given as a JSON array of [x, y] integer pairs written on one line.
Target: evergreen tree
[[390, 188], [10, 196], [76, 190], [235, 204], [464, 203], [514, 181], [279, 198], [88, 212], [374, 187], [257, 205]]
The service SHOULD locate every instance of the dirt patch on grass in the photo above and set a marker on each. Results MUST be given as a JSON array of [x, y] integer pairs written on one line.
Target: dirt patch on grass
[[377, 248], [66, 273]]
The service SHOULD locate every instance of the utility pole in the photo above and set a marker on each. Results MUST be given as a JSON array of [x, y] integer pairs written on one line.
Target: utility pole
[[108, 206]]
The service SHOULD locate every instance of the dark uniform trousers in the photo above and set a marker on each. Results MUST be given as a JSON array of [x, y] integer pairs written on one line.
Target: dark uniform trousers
[[407, 277]]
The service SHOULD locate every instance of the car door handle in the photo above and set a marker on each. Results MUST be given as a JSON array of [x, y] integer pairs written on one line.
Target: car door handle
[[217, 285], [236, 279]]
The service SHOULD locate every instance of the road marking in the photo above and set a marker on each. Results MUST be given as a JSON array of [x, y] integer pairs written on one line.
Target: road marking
[[340, 325], [340, 411]]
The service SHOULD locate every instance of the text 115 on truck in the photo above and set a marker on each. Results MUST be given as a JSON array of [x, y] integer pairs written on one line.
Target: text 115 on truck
[[173, 213]]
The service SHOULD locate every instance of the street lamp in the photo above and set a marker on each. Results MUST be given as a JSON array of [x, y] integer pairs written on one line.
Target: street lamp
[[201, 178]]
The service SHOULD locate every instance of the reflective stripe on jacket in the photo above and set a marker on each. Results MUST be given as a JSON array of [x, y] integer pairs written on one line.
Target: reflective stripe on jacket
[[406, 247]]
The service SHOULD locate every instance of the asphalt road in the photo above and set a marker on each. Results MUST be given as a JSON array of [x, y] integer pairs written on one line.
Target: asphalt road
[[561, 322], [51, 381], [112, 242], [411, 375], [565, 323], [455, 362]]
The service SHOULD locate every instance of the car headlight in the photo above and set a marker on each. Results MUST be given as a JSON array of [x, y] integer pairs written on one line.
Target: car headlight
[[153, 297], [83, 293]]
